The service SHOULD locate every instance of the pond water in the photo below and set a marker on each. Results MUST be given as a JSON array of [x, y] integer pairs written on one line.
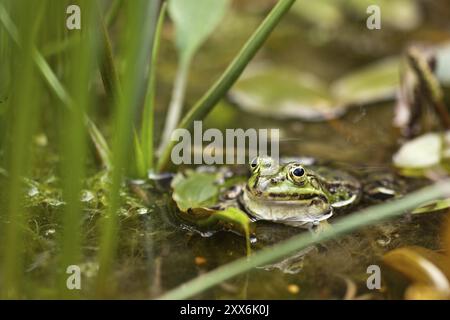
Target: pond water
[[320, 272]]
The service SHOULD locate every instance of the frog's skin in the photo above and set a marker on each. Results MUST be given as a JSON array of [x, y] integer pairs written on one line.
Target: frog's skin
[[296, 194]]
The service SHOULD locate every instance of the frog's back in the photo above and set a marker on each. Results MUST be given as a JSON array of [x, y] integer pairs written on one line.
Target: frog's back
[[343, 187]]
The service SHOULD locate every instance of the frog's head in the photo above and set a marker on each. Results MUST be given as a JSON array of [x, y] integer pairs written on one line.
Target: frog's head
[[287, 192]]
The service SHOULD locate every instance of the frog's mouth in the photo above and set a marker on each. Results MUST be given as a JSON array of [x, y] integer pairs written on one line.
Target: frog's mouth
[[300, 209], [289, 198]]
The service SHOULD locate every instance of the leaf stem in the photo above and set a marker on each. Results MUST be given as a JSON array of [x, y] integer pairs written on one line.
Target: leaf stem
[[176, 103]]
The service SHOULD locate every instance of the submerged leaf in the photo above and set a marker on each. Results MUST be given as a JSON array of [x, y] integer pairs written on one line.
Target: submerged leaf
[[284, 93]]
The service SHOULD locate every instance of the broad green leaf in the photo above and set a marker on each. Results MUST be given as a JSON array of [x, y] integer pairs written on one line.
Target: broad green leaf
[[194, 21], [194, 194], [284, 93], [195, 190], [377, 81]]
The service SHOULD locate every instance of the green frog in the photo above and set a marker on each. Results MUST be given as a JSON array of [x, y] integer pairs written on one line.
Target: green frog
[[294, 191], [295, 194]]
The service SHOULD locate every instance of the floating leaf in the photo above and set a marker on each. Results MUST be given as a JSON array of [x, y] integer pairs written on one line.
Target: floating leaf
[[194, 21], [195, 190], [195, 193], [284, 93], [377, 81], [422, 152]]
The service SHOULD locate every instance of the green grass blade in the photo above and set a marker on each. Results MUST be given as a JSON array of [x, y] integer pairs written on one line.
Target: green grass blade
[[80, 67], [112, 12], [100, 144], [176, 103], [342, 226], [137, 41], [231, 74], [147, 143], [108, 70], [56, 86], [139, 160], [58, 47], [21, 123]]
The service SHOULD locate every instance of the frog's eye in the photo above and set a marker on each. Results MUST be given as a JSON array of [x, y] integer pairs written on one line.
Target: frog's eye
[[297, 174]]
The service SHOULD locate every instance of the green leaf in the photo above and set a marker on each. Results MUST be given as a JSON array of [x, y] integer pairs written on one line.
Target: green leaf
[[101, 146], [285, 93], [195, 190], [194, 21], [194, 194]]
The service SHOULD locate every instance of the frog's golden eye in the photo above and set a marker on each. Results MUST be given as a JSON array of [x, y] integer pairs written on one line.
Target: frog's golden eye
[[297, 174]]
